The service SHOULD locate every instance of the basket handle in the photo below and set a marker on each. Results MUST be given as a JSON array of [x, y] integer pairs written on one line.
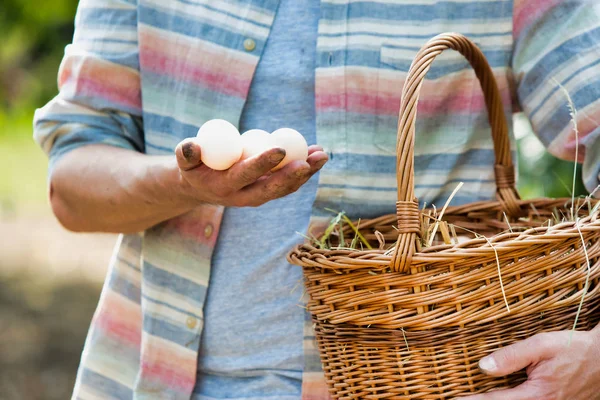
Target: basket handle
[[407, 207]]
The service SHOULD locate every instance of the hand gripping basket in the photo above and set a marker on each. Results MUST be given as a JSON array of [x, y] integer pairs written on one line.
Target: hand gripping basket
[[412, 322]]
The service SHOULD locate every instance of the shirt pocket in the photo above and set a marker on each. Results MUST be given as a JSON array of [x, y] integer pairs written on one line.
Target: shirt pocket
[[445, 109], [195, 65]]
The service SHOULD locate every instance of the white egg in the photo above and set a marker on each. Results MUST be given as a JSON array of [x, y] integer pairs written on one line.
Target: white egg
[[256, 141], [220, 144], [293, 143]]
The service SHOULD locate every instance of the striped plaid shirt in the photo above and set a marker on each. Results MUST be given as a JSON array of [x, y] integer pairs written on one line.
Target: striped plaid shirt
[[145, 74]]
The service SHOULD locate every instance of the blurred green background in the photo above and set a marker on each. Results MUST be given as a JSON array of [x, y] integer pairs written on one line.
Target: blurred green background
[[49, 278]]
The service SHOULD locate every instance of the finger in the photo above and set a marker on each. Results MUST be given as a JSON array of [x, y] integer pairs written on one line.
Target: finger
[[246, 172], [525, 391], [279, 184], [519, 355], [187, 153], [317, 160], [313, 148]]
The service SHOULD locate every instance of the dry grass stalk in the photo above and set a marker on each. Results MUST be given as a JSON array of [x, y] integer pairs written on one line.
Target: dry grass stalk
[[435, 228], [587, 280], [478, 236], [445, 232], [507, 222]]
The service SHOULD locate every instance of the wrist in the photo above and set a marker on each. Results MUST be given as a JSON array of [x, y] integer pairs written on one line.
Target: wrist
[[168, 188], [185, 191]]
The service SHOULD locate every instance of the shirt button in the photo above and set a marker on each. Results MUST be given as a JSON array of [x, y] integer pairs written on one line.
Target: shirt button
[[249, 44], [208, 230], [191, 322]]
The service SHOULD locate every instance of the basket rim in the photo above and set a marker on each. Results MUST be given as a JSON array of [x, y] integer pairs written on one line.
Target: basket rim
[[503, 243]]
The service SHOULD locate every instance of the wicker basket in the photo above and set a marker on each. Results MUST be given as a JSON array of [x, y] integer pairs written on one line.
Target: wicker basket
[[407, 322]]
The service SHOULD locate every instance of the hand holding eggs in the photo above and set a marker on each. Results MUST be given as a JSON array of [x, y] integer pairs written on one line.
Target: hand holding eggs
[[221, 145]]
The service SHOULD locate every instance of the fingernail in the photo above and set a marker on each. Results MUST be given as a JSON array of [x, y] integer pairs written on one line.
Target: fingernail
[[488, 364], [320, 164], [277, 157], [188, 151]]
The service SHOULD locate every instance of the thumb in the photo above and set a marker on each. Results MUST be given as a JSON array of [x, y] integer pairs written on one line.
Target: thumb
[[187, 153], [519, 355]]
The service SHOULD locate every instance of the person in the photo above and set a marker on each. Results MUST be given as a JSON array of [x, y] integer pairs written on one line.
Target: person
[[199, 302]]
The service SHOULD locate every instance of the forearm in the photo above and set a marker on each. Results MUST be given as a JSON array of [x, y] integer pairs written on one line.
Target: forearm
[[100, 188]]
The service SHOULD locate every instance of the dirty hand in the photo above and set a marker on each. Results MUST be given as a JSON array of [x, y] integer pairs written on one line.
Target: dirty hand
[[248, 182]]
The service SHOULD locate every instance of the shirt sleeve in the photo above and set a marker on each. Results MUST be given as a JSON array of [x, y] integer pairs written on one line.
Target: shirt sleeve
[[557, 43], [99, 100]]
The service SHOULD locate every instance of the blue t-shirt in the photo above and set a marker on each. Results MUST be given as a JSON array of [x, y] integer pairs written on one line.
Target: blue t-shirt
[[251, 346]]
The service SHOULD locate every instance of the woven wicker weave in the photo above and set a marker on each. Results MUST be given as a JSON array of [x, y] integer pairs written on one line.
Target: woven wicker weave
[[407, 322]]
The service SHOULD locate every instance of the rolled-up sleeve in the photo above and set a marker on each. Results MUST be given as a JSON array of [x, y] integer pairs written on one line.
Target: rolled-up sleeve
[[557, 43], [99, 99]]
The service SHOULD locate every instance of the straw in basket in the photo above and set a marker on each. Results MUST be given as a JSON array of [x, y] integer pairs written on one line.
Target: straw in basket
[[412, 322]]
